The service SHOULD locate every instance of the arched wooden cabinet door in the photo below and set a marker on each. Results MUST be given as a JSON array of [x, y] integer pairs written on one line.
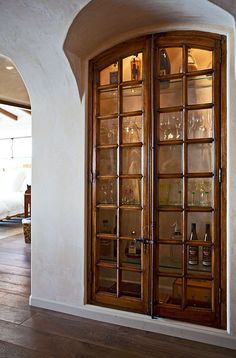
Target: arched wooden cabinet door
[[156, 231]]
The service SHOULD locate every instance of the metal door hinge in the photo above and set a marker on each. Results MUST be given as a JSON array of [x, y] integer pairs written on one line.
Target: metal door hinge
[[220, 295], [220, 175]]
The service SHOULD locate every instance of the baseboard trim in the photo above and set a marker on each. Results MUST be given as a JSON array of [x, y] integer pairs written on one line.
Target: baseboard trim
[[128, 319]]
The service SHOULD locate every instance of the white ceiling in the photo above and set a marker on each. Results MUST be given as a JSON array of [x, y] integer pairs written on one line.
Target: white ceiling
[[12, 87]]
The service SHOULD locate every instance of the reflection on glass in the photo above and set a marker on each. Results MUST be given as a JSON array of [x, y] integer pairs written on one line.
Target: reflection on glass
[[130, 191], [107, 280], [170, 192], [106, 221], [132, 98], [170, 291], [108, 102], [171, 93], [130, 223], [132, 67], [201, 58], [170, 159], [109, 75], [130, 284], [200, 158], [170, 60], [200, 192], [167, 225], [132, 129], [171, 126], [200, 123], [130, 253], [106, 192], [131, 160], [108, 131], [199, 293], [107, 250], [170, 258], [200, 89], [107, 159]]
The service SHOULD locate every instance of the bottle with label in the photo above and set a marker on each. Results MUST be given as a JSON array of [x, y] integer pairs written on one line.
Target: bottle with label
[[206, 250], [135, 65], [133, 248], [193, 253]]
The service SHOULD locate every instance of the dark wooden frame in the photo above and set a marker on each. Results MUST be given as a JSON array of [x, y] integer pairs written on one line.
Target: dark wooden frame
[[181, 38]]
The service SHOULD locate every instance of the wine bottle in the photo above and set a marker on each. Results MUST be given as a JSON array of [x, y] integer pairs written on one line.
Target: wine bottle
[[135, 65], [193, 253], [164, 62], [206, 250]]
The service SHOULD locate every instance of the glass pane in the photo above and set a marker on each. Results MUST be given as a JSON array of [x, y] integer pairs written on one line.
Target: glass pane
[[170, 191], [170, 258], [130, 284], [132, 98], [170, 290], [108, 102], [108, 131], [106, 161], [170, 159], [170, 60], [130, 253], [106, 192], [107, 280], [171, 126], [199, 293], [200, 123], [132, 67], [201, 220], [170, 226], [200, 158], [130, 223], [130, 192], [199, 59], [107, 250], [106, 221], [131, 160], [200, 192], [132, 129], [200, 90], [109, 75], [170, 93]]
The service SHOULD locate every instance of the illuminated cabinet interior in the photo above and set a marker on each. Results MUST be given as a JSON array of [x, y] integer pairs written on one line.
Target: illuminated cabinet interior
[[156, 190]]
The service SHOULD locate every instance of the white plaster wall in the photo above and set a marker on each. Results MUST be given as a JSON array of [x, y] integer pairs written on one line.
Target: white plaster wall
[[32, 34]]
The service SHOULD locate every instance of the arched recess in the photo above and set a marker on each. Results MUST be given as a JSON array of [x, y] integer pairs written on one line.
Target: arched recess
[[104, 23]]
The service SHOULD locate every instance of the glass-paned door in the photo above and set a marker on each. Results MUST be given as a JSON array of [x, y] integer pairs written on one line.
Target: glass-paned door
[[120, 208], [186, 260]]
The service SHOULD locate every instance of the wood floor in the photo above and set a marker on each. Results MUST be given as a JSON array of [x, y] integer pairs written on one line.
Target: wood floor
[[29, 332]]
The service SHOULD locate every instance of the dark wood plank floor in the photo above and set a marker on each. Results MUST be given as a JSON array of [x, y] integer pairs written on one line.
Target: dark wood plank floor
[[30, 332]]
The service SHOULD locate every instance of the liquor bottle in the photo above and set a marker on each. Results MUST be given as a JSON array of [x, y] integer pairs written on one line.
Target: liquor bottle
[[133, 248], [206, 250], [164, 63], [114, 74], [193, 253], [135, 65]]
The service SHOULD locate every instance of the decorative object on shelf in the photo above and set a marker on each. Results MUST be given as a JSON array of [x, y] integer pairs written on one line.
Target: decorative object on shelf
[[207, 250], [133, 248], [193, 252], [135, 65], [176, 235], [192, 66], [114, 74], [165, 68]]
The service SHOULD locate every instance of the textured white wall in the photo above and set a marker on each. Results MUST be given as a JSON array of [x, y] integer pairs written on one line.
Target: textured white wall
[[32, 34]]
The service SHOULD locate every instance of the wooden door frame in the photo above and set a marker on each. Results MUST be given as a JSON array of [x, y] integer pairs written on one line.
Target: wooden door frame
[[104, 59]]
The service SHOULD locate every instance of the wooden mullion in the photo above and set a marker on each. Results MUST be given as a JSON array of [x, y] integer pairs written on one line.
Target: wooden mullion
[[170, 176], [170, 208], [172, 76], [200, 73], [108, 116], [192, 107], [107, 87], [131, 145], [185, 171], [170, 142], [132, 114], [119, 166], [200, 175], [170, 109]]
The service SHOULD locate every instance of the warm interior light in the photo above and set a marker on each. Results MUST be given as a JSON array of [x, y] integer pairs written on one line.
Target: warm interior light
[[9, 68]]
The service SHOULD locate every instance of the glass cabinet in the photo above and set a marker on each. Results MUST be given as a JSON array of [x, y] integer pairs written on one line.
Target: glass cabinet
[[156, 187]]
